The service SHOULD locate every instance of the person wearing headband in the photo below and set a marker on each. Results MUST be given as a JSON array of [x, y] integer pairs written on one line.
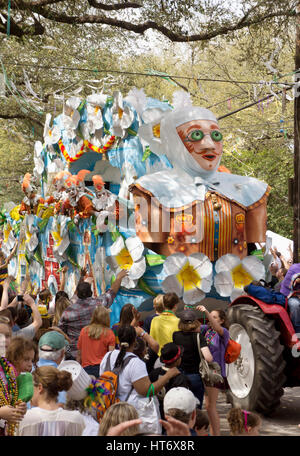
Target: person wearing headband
[[242, 422], [171, 356], [193, 207]]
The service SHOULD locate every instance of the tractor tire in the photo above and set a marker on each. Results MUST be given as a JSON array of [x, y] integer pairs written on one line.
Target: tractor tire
[[256, 379]]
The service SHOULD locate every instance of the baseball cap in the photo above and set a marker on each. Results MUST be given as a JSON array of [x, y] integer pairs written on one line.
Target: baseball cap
[[170, 353], [180, 398], [52, 339], [188, 316]]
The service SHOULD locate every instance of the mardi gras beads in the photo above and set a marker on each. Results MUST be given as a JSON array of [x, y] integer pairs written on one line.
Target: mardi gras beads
[[8, 391]]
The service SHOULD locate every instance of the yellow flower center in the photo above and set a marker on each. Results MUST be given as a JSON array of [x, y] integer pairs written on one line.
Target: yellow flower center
[[50, 133], [188, 277], [96, 110], [124, 259], [156, 130], [57, 237], [7, 230], [240, 277], [120, 113]]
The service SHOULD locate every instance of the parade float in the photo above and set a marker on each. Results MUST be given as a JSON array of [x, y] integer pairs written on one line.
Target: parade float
[[136, 183], [119, 182]]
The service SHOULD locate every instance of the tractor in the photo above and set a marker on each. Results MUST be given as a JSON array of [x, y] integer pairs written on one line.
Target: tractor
[[269, 358]]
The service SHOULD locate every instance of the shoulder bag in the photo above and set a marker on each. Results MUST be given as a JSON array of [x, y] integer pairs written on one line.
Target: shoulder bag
[[210, 372]]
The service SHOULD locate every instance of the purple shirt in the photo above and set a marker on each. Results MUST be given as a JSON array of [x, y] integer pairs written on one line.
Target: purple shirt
[[285, 288], [217, 345]]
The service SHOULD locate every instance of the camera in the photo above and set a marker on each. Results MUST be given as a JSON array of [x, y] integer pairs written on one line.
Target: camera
[[20, 298]]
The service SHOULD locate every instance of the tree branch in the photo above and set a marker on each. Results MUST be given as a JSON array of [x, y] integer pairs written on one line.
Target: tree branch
[[114, 7], [21, 116], [206, 35]]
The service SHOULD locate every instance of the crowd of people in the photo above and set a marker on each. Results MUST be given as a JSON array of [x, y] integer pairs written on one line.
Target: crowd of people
[[68, 345]]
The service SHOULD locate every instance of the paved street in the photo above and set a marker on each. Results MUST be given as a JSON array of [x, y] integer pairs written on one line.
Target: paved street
[[283, 423]]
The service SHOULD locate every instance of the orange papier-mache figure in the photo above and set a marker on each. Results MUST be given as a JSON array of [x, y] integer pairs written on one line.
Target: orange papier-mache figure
[[32, 199]]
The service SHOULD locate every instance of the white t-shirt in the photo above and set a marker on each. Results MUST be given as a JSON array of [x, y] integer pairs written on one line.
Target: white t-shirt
[[59, 422], [135, 370], [91, 425]]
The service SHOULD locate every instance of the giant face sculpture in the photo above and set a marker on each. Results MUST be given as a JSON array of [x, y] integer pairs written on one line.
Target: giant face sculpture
[[203, 140]]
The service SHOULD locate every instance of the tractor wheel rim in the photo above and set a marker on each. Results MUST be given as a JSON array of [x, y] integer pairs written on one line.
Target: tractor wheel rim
[[240, 374]]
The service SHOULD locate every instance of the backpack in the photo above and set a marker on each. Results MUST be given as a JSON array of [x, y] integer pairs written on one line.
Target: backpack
[[233, 351], [109, 379]]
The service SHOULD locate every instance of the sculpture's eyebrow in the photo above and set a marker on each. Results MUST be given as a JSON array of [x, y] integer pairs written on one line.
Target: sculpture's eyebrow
[[192, 127]]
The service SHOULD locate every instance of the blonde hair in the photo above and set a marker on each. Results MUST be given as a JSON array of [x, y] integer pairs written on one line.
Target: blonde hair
[[53, 380], [237, 422], [100, 322], [60, 306], [158, 303], [116, 414]]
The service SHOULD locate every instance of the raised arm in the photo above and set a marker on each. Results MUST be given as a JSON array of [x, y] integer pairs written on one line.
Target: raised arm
[[63, 278], [36, 316], [4, 298], [214, 324]]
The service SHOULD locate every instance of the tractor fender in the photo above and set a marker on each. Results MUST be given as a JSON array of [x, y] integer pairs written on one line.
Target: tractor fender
[[286, 328]]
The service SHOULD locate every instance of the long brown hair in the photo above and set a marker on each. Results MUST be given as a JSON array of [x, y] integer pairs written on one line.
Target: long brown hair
[[100, 322], [60, 306]]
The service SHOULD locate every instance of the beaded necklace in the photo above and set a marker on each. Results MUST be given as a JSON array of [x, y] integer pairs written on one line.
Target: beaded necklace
[[8, 390], [168, 311]]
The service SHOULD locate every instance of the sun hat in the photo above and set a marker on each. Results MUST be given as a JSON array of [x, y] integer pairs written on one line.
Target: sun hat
[[180, 398], [52, 339], [170, 353]]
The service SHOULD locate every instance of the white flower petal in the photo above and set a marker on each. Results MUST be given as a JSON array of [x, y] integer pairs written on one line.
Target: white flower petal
[[223, 283], [206, 283], [129, 283], [227, 263], [73, 102], [137, 269], [174, 263], [171, 284], [201, 264], [38, 147], [193, 296], [39, 165], [117, 246], [135, 247], [254, 267]]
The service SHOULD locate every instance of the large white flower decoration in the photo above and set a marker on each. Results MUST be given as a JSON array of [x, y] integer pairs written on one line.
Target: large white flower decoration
[[71, 117], [31, 233], [189, 277], [122, 116], [128, 254], [8, 239], [60, 234], [95, 103], [39, 164], [51, 135], [233, 274]]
